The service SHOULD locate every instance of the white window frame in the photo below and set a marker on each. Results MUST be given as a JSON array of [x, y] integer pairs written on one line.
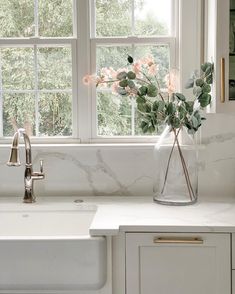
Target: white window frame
[[184, 39], [132, 41], [33, 42]]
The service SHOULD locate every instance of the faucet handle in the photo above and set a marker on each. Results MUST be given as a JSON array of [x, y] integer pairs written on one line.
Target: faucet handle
[[41, 166]]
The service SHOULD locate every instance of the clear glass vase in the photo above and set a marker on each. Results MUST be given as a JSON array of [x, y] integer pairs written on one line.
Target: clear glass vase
[[176, 179]]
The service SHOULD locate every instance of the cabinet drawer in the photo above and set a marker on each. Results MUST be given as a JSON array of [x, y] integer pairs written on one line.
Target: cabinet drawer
[[178, 263]]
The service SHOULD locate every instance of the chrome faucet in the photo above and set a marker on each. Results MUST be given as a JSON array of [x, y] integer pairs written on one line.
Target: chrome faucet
[[29, 175]]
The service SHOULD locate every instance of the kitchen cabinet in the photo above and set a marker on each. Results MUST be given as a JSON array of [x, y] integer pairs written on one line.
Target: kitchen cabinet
[[179, 263], [219, 43]]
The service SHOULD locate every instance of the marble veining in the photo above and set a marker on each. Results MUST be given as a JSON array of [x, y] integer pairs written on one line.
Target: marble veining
[[107, 174], [124, 171], [219, 138]]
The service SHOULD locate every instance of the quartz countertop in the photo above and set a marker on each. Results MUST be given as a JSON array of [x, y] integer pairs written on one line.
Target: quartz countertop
[[139, 214]]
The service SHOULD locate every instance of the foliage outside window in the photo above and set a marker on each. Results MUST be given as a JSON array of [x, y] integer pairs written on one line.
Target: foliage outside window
[[39, 68]]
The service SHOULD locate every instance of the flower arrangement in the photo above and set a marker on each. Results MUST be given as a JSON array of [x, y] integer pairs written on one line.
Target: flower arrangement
[[159, 107]]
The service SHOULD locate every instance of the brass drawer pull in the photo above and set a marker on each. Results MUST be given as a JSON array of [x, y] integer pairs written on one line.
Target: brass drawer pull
[[178, 240], [222, 80]]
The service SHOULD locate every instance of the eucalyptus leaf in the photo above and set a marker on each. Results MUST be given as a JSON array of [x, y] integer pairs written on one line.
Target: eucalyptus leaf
[[204, 99], [199, 82], [205, 66], [123, 83], [195, 122], [130, 83], [206, 88], [171, 108], [155, 105], [148, 107], [141, 107], [161, 105], [140, 99], [131, 75], [142, 90], [189, 106], [121, 75], [122, 91], [130, 59], [175, 122], [144, 126], [209, 79], [197, 91], [180, 96], [152, 90]]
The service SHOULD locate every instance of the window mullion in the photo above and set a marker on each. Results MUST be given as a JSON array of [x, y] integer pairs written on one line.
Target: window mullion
[[36, 21], [83, 64], [36, 88], [92, 18], [132, 17]]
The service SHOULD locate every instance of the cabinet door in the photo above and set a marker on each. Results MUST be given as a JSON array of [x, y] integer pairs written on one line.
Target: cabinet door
[[178, 263], [220, 48]]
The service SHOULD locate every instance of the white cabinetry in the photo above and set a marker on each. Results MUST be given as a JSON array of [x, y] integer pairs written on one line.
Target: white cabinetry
[[233, 263], [178, 263], [220, 48]]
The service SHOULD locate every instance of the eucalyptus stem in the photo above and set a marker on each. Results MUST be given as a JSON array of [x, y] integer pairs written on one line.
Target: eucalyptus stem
[[168, 162], [185, 169], [184, 166]]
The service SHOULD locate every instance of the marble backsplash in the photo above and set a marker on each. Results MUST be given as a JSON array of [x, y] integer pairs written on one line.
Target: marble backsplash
[[123, 170]]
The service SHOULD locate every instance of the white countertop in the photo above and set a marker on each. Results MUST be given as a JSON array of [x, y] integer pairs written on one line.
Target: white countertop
[[141, 214], [132, 214]]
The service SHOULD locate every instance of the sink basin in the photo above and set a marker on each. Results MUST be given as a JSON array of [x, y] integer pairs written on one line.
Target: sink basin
[[50, 250], [48, 224]]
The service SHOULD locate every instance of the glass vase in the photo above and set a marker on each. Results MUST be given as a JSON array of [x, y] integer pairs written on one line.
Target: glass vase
[[176, 158]]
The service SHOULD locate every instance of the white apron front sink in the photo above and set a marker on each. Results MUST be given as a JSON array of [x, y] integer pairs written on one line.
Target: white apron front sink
[[49, 250]]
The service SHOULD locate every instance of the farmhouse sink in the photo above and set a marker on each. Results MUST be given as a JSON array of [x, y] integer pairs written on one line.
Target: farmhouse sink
[[45, 224], [45, 249]]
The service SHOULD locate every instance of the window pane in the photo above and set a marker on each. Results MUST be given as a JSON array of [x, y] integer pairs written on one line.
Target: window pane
[[16, 18], [18, 112], [161, 55], [55, 110], [55, 68], [55, 18], [113, 17], [112, 56], [153, 17], [17, 70], [114, 115], [113, 111], [133, 17]]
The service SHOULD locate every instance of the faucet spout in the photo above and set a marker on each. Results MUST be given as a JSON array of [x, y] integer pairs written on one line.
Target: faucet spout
[[29, 175]]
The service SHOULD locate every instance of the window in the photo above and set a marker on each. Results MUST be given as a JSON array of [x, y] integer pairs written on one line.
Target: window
[[36, 67], [47, 46], [139, 28]]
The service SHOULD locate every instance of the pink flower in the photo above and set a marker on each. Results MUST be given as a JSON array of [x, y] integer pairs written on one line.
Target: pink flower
[[113, 73], [114, 87], [105, 72], [153, 68], [172, 81], [149, 60], [137, 67], [131, 91], [88, 79]]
